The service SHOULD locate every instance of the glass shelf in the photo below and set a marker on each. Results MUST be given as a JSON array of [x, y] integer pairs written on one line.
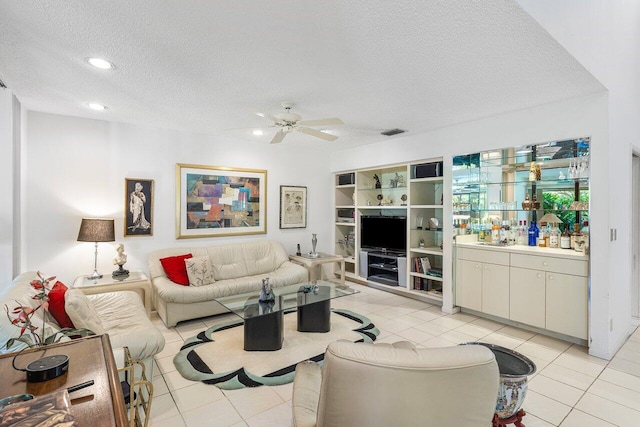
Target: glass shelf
[[383, 188]]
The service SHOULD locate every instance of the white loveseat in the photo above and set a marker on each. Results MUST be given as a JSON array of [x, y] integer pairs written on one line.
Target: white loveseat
[[121, 314], [237, 268]]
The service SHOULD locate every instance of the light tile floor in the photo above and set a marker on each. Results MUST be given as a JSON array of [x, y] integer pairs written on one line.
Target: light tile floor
[[569, 389]]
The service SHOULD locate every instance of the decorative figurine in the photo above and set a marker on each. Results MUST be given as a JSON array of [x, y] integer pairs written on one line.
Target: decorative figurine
[[404, 200], [314, 243], [375, 177], [379, 197], [119, 260], [399, 180], [266, 294]]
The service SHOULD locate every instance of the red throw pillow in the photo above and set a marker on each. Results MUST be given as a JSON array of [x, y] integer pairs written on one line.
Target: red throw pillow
[[176, 269], [56, 305]]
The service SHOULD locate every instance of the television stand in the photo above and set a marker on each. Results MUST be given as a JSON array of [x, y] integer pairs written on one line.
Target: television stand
[[387, 268]]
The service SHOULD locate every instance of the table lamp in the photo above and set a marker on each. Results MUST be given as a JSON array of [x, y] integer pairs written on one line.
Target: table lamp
[[96, 230], [550, 218]]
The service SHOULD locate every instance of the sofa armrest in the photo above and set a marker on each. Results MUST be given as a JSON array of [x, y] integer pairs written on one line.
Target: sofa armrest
[[306, 394]]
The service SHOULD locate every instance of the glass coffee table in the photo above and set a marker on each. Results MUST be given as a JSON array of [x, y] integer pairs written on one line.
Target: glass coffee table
[[264, 321]]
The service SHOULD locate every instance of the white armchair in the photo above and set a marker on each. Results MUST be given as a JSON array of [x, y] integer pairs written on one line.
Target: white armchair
[[397, 385]]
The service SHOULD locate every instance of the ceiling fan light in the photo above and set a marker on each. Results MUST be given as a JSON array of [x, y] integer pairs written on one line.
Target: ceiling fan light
[[103, 64], [258, 132]]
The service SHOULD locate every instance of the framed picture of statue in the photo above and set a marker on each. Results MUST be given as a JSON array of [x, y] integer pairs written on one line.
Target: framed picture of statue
[[214, 201], [138, 207], [293, 207]]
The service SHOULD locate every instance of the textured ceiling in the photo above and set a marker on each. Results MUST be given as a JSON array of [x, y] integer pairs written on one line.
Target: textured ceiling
[[209, 66]]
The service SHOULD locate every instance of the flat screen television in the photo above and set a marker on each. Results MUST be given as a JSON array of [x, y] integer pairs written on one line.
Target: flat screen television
[[384, 233]]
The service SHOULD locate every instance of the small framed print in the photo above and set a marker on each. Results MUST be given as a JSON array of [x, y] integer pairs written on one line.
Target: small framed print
[[293, 207], [138, 207]]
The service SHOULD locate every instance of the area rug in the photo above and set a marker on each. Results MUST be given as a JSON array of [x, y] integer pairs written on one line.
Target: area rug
[[216, 356]]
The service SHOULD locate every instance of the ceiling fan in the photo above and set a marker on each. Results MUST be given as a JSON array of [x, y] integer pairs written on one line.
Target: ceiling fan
[[289, 122]]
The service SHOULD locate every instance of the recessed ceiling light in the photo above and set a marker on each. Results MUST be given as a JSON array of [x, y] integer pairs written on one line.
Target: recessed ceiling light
[[103, 64], [96, 106], [258, 132]]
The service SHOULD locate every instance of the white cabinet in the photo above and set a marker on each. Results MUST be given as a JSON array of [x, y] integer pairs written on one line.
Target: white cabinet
[[495, 290], [527, 300], [520, 284], [469, 284], [566, 302], [483, 286]]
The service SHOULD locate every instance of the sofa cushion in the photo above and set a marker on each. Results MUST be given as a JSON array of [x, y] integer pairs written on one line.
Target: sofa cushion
[[81, 311], [199, 270], [125, 320], [175, 268], [56, 305]]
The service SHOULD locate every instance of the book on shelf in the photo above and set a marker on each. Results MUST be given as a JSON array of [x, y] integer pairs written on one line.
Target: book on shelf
[[421, 264], [435, 272], [424, 284]]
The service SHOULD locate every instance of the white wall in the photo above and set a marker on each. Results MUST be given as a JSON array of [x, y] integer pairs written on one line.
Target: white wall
[[9, 168], [604, 36], [76, 167], [580, 117]]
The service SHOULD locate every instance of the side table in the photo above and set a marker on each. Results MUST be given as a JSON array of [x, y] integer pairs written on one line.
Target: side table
[[313, 264], [91, 358], [135, 281]]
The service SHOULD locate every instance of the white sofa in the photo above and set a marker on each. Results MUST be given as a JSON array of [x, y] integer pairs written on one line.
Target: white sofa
[[237, 268], [121, 314]]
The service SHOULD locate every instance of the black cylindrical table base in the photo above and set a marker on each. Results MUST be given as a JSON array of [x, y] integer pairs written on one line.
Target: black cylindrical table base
[[315, 317], [264, 333]]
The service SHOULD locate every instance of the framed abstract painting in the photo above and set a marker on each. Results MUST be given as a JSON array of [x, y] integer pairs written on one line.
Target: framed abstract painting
[[138, 207], [214, 201], [293, 207]]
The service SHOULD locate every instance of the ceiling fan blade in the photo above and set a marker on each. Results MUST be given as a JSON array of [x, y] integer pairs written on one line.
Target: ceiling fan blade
[[278, 137], [250, 129], [270, 117], [321, 122], [316, 133]]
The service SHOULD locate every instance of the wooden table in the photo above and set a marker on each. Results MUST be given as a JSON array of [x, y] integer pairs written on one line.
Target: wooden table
[[91, 358], [313, 264], [136, 281]]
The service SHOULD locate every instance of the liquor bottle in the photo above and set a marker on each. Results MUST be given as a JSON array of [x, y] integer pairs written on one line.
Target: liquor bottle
[[585, 236], [565, 238], [512, 233], [554, 237], [533, 234], [542, 243], [575, 235], [504, 233], [495, 233], [488, 238], [522, 233], [547, 235]]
